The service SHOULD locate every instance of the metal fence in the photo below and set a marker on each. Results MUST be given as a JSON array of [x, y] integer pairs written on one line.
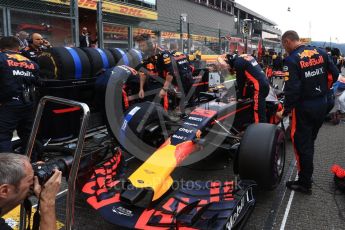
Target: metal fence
[[56, 22], [46, 7]]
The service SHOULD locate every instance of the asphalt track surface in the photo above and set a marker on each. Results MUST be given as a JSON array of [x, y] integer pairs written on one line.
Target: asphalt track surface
[[278, 209]]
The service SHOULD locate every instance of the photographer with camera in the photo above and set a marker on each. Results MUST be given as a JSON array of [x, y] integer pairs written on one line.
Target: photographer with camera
[[16, 183]]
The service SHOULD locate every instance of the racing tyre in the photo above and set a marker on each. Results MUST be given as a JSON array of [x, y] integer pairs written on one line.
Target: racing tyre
[[120, 56], [100, 59], [261, 155], [63, 63], [135, 58]]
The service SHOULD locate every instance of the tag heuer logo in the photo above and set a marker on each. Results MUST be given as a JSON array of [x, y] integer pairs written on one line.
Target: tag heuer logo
[[149, 171], [122, 211]]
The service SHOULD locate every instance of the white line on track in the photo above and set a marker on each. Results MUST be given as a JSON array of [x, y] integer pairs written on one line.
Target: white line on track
[[62, 192], [288, 207], [57, 195]]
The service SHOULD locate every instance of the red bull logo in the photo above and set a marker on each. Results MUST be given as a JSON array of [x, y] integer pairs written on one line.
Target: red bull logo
[[17, 57], [311, 62], [24, 65], [150, 66], [308, 53]]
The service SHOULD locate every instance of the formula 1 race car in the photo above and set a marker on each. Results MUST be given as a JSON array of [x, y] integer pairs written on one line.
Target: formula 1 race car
[[145, 200], [147, 197]]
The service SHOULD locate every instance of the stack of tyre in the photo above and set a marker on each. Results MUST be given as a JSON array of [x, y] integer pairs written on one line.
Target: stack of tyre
[[71, 73]]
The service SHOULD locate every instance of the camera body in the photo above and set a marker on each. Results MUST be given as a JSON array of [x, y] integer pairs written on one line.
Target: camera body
[[46, 170]]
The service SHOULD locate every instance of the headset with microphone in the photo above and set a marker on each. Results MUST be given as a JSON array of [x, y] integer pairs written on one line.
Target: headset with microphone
[[30, 40]]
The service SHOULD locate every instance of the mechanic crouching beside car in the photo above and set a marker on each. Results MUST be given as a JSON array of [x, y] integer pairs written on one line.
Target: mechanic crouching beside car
[[17, 181], [251, 81], [18, 75], [156, 70], [161, 68], [309, 72]]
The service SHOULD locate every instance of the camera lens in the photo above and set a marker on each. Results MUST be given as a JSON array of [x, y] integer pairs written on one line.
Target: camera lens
[[45, 171]]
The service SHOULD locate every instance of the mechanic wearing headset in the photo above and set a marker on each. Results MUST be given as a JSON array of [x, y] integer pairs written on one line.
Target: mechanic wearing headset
[[36, 46], [309, 74], [251, 81]]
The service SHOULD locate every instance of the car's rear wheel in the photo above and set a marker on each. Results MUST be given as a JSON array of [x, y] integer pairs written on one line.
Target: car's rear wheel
[[261, 155]]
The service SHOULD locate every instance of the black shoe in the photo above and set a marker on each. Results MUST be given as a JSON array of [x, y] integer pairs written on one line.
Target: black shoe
[[299, 187], [335, 118]]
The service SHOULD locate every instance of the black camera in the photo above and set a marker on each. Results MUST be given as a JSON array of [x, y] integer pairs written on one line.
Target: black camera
[[46, 170]]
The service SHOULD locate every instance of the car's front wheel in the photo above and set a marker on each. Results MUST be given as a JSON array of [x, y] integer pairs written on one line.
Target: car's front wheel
[[261, 156]]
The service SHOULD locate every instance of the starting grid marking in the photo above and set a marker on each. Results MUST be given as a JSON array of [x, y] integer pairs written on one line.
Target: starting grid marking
[[288, 207], [13, 218]]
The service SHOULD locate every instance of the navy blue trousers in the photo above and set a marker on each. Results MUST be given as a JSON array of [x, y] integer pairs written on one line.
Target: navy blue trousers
[[15, 115]]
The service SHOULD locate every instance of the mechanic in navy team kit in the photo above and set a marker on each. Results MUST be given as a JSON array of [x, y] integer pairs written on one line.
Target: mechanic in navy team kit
[[159, 66], [184, 75], [18, 75], [309, 74], [251, 81]]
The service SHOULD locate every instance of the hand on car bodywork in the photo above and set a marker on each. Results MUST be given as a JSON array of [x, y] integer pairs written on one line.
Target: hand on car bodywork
[[141, 94], [162, 92], [280, 114]]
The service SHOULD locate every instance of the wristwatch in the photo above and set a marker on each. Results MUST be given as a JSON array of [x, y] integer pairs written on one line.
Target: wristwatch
[[165, 89]]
